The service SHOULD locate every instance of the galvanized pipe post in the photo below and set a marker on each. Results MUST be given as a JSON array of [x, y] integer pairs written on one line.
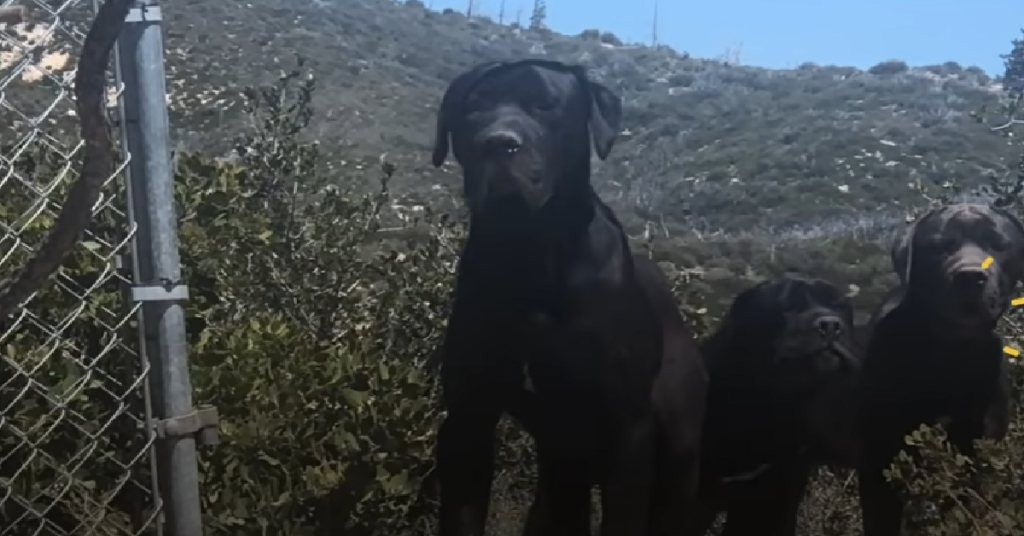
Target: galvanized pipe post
[[156, 266]]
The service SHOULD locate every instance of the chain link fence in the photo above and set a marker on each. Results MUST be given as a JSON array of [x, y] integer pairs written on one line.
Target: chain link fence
[[75, 438]]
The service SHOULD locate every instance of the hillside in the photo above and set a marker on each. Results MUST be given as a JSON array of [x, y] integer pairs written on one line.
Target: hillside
[[717, 145], [707, 145]]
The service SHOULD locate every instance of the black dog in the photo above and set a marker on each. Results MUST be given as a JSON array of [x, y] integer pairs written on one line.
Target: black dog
[[548, 291], [783, 346], [933, 354]]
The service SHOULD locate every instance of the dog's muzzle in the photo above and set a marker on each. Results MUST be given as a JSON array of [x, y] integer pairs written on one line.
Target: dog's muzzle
[[969, 282], [969, 289], [973, 304], [831, 328], [500, 144], [845, 357]]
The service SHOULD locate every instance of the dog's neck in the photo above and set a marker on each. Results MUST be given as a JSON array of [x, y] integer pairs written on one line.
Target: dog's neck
[[534, 254], [519, 232], [565, 216], [925, 318]]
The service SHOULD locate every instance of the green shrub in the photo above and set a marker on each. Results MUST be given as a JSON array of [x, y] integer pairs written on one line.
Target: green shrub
[[309, 341], [950, 494], [72, 450]]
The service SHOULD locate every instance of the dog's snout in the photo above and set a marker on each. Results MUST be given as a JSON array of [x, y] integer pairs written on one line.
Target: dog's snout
[[830, 327], [501, 143], [969, 280]]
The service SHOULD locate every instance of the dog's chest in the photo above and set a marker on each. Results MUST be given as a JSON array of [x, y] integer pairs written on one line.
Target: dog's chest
[[602, 357], [934, 382], [560, 353]]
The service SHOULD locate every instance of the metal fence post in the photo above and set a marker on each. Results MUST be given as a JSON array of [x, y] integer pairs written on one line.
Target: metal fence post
[[156, 267]]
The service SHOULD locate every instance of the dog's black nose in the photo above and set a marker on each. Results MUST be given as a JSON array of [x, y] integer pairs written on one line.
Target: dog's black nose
[[830, 327], [969, 280], [501, 143]]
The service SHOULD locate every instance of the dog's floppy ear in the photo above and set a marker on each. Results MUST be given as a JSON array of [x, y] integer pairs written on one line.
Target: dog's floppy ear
[[749, 327], [902, 252], [605, 117], [1019, 241], [450, 103], [748, 316], [1011, 218], [743, 310]]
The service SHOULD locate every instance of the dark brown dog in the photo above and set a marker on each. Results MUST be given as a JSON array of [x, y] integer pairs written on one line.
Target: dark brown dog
[[548, 291], [933, 354], [783, 346]]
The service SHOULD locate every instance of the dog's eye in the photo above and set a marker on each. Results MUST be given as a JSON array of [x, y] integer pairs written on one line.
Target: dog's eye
[[940, 244], [472, 105], [545, 104]]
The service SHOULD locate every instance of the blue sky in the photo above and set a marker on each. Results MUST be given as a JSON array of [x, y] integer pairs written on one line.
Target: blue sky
[[785, 33]]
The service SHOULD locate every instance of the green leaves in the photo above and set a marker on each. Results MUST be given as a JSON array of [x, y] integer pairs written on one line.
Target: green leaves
[[311, 334], [950, 493]]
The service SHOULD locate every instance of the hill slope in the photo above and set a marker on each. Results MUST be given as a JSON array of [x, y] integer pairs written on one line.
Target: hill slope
[[708, 144]]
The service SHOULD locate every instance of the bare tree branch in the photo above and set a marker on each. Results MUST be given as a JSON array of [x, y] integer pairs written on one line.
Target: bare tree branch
[[1007, 125], [97, 166]]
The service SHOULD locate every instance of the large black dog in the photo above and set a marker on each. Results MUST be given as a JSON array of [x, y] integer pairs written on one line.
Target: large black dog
[[933, 355], [548, 291], [782, 350]]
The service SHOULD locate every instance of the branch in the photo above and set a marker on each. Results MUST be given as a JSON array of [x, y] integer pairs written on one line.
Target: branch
[[1008, 124], [97, 165]]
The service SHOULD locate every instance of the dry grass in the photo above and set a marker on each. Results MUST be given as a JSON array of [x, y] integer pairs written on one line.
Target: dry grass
[[830, 508]]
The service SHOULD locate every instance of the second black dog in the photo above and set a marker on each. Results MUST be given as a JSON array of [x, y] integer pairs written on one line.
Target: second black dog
[[776, 362]]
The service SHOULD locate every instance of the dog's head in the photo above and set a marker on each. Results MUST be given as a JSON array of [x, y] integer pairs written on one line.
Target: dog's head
[[942, 260], [522, 131], [795, 329]]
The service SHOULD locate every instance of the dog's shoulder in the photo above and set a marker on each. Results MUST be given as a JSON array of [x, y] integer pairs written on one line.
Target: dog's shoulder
[[715, 347], [648, 273], [885, 310], [892, 342], [605, 225], [607, 260]]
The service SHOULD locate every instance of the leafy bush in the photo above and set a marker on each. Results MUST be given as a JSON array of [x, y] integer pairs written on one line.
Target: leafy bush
[[308, 335], [72, 451]]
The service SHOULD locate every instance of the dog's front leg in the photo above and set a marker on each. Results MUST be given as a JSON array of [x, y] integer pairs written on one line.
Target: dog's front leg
[[626, 490], [675, 508], [679, 400], [561, 502], [465, 465], [770, 504], [699, 518], [881, 506]]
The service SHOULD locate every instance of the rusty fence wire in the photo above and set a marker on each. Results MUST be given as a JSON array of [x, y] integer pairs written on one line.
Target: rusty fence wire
[[75, 433]]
